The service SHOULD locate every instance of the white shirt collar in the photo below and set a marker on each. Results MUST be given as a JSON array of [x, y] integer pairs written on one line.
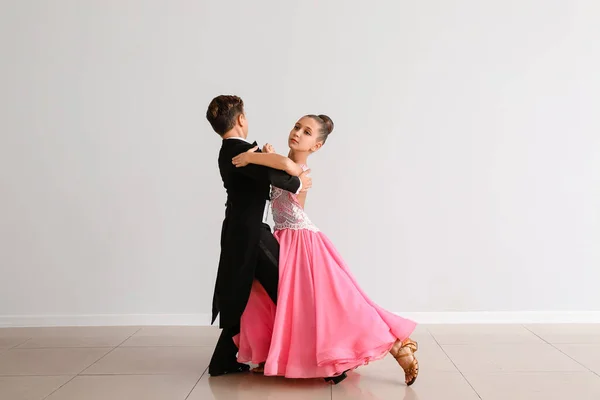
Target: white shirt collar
[[238, 138]]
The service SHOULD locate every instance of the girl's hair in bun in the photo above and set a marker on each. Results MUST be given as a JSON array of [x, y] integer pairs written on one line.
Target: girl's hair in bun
[[325, 124]]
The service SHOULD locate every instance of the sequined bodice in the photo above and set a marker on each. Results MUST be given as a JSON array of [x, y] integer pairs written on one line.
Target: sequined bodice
[[287, 211]]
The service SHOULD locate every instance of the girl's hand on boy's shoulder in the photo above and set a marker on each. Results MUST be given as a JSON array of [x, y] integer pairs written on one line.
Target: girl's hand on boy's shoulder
[[268, 148]]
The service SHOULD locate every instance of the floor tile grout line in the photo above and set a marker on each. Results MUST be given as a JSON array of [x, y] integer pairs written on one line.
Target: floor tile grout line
[[112, 348], [80, 372], [110, 351], [456, 366], [20, 344], [552, 345], [196, 384], [130, 336], [60, 387]]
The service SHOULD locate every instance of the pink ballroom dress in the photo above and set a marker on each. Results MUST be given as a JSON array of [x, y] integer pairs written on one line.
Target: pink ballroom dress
[[324, 324]]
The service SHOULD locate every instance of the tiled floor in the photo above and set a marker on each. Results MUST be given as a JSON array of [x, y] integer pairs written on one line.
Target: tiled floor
[[169, 363]]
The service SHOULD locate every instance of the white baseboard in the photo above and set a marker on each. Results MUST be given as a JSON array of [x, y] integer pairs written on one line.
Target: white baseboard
[[505, 317], [104, 320], [425, 318]]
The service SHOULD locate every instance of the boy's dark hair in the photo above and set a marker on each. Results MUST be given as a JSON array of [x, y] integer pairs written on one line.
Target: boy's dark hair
[[222, 112]]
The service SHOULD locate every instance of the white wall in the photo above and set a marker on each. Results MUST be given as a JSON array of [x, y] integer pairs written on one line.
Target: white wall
[[463, 173]]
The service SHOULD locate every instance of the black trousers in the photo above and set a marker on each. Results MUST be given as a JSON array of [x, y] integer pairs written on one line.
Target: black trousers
[[267, 273]]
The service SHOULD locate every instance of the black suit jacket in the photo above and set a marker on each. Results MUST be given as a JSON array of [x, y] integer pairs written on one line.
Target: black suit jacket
[[248, 189]]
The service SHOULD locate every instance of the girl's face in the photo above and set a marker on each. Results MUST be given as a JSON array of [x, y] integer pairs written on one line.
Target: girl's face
[[304, 136]]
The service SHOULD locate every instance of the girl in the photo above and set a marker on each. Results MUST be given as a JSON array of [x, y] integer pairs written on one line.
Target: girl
[[323, 324]]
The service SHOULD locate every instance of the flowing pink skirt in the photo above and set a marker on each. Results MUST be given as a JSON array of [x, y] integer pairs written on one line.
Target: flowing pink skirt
[[324, 324]]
